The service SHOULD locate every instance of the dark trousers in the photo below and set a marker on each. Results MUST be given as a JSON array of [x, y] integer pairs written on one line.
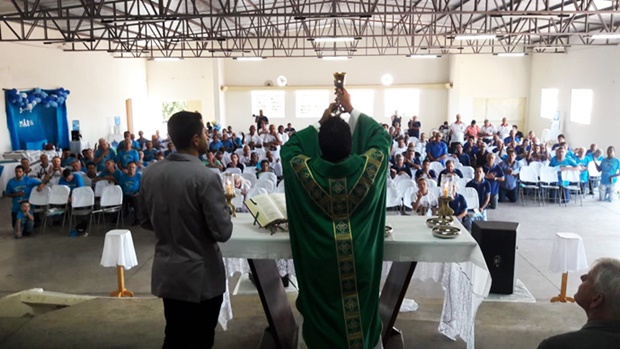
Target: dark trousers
[[13, 219], [506, 195], [132, 201], [191, 325]]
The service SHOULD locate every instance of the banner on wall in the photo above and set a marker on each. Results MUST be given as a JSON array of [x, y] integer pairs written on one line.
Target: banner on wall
[[33, 127]]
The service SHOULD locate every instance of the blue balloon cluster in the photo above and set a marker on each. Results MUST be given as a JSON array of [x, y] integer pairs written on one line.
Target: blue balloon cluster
[[28, 100]]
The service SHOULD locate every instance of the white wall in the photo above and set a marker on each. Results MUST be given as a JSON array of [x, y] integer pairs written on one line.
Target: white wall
[[99, 84], [593, 68], [361, 71], [486, 76], [190, 79]]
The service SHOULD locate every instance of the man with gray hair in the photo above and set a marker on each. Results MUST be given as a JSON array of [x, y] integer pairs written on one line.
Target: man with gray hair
[[599, 296]]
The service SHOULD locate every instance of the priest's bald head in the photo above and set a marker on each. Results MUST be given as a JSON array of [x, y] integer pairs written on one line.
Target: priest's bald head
[[335, 139]]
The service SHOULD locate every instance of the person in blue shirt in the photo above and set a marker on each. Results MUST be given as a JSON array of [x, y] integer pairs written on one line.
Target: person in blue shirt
[[25, 221], [127, 139], [458, 154], [449, 170], [216, 144], [436, 150], [170, 149], [125, 156], [581, 159], [512, 137], [71, 180], [483, 188], [19, 188], [130, 184], [103, 154], [110, 173], [67, 158], [563, 163], [494, 175], [400, 167], [149, 153], [425, 171], [227, 144], [459, 206], [509, 188], [610, 170]]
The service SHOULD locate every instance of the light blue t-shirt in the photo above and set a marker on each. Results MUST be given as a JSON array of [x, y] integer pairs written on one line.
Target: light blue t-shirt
[[609, 167], [127, 156], [76, 182], [25, 184], [130, 185]]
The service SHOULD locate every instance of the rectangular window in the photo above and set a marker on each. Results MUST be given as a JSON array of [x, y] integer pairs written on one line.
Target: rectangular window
[[311, 103], [581, 106], [363, 100], [549, 103], [270, 102], [404, 100]]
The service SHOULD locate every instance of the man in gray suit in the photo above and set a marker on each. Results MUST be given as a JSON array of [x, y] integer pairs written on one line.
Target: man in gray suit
[[184, 204], [599, 296]]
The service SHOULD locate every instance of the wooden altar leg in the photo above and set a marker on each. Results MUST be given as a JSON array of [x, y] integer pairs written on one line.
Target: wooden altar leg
[[562, 296], [391, 299], [122, 291], [282, 330]]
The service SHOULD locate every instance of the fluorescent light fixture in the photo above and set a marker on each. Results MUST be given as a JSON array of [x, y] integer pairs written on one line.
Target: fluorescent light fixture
[[335, 58], [511, 54], [424, 56], [334, 39], [475, 37], [605, 36], [248, 59], [167, 59], [387, 79]]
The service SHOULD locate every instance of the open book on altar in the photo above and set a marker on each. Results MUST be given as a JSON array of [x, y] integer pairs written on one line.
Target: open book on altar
[[268, 209]]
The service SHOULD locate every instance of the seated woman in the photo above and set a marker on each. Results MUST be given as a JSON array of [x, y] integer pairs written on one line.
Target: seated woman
[[234, 162], [425, 203]]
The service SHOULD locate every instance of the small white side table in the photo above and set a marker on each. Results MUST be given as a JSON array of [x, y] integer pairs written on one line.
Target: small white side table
[[118, 251], [568, 255]]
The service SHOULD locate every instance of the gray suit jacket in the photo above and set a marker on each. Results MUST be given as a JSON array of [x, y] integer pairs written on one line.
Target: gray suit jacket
[[184, 204], [593, 335]]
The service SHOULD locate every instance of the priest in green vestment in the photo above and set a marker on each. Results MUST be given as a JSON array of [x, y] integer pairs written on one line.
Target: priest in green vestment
[[335, 175]]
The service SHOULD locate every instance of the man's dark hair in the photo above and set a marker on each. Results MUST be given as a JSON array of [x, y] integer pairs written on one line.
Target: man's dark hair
[[335, 139], [182, 127], [19, 167], [66, 172], [263, 162]]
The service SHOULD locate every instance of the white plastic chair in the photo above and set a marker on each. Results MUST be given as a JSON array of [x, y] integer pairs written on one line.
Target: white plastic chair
[[594, 175], [235, 170], [250, 169], [238, 199], [574, 184], [537, 165], [58, 202], [468, 172], [548, 180], [471, 197], [266, 184], [436, 166], [393, 198], [40, 199], [528, 180], [100, 186], [431, 183], [254, 192], [214, 169], [82, 204], [111, 201], [277, 168], [409, 196], [250, 177], [280, 187], [461, 183], [268, 176]]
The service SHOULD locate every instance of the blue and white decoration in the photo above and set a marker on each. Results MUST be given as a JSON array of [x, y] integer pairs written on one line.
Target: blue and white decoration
[[27, 100], [37, 118]]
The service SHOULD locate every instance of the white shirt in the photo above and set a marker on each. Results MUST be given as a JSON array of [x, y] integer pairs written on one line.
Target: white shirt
[[488, 131], [428, 201], [504, 131], [269, 138], [458, 133], [256, 139]]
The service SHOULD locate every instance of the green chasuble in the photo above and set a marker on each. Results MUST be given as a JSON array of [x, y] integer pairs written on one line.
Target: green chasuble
[[336, 214]]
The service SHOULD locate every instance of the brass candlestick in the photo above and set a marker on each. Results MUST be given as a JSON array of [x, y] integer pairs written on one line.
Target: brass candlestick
[[445, 212], [339, 78], [233, 209]]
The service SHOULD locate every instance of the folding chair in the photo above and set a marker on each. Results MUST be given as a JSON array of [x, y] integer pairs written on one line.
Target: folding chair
[[468, 172], [571, 181], [528, 180], [82, 204], [548, 181], [40, 199], [268, 176], [58, 203], [594, 176], [111, 201]]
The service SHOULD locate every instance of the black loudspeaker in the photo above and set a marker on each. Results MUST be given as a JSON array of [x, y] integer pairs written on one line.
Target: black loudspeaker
[[498, 242], [76, 136]]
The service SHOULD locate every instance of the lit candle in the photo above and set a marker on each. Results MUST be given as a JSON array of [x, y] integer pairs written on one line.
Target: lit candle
[[445, 191], [228, 187]]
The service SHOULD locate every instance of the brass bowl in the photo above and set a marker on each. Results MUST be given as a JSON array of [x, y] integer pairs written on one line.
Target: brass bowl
[[433, 222], [446, 232]]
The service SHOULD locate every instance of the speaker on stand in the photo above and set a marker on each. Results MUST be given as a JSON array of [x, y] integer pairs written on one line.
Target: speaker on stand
[[498, 242]]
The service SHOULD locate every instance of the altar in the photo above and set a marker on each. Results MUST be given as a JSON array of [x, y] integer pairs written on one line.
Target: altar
[[457, 263]]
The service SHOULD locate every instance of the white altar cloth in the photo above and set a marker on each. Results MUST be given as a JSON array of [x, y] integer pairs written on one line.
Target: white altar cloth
[[457, 263]]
